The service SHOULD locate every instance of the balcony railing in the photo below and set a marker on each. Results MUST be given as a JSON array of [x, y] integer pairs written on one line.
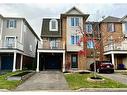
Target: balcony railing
[[11, 45], [116, 46], [50, 45]]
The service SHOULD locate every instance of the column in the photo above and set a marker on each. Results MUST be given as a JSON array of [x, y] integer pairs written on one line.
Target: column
[[37, 69], [112, 55], [14, 62], [63, 69], [21, 60]]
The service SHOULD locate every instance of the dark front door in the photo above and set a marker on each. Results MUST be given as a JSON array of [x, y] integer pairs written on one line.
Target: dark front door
[[74, 61], [6, 62]]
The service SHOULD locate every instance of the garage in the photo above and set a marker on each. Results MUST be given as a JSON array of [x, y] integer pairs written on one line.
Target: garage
[[6, 62], [51, 61]]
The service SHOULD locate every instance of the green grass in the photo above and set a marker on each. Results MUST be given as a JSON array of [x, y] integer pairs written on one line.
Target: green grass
[[7, 84], [77, 81]]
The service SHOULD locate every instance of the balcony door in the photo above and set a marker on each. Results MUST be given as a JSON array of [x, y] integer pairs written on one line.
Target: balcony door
[[10, 41], [53, 43]]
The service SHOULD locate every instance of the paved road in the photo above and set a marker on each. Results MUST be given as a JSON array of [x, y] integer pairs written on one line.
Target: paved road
[[45, 80], [115, 76]]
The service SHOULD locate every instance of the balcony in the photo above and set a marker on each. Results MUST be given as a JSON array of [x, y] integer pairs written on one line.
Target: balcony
[[11, 45], [116, 47], [50, 45]]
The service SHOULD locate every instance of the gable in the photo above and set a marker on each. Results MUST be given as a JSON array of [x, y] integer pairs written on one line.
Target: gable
[[74, 10], [125, 19]]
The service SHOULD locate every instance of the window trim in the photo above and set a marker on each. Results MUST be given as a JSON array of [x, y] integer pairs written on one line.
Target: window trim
[[74, 21], [50, 25], [76, 38], [14, 24], [125, 27], [112, 26], [91, 42], [87, 26]]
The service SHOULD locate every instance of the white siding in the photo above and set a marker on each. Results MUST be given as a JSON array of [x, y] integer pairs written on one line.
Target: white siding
[[71, 30], [29, 41]]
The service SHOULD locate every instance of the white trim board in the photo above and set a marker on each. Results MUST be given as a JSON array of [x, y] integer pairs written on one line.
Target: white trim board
[[115, 52], [51, 51]]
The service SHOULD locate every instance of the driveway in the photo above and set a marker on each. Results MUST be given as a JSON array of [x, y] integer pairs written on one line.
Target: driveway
[[117, 77], [45, 80]]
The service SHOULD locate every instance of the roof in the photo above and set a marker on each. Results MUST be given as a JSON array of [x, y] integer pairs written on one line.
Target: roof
[[71, 14], [111, 19], [45, 32], [26, 23], [74, 8], [122, 19]]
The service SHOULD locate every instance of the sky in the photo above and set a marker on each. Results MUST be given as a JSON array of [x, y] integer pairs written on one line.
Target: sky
[[34, 13]]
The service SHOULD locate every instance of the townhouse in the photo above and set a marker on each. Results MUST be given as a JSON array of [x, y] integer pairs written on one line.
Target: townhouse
[[59, 49], [114, 36], [17, 43]]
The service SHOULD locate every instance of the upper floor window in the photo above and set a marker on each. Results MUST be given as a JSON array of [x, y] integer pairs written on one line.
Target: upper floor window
[[54, 43], [74, 21], [53, 25], [88, 28], [25, 28], [11, 23], [74, 39], [125, 27], [90, 44], [111, 27]]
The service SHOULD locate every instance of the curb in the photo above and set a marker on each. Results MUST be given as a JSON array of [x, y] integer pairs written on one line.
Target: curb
[[102, 89]]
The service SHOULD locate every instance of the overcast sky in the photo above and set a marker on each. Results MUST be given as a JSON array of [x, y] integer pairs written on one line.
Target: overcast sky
[[34, 13]]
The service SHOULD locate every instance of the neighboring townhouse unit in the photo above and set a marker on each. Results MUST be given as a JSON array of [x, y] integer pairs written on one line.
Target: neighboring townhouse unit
[[114, 38], [59, 49], [51, 50], [17, 43]]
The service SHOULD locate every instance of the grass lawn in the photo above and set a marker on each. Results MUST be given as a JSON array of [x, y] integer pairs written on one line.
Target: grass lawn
[[76, 81], [6, 84]]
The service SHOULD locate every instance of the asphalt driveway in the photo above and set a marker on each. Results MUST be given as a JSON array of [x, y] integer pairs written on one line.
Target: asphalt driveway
[[117, 77], [45, 80]]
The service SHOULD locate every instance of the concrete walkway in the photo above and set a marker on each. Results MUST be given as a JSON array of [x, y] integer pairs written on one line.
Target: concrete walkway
[[116, 76], [45, 80]]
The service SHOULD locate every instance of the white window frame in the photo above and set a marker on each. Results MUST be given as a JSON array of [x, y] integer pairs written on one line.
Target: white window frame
[[50, 25], [12, 37], [87, 26], [30, 47], [13, 22], [112, 27], [74, 21], [25, 28]]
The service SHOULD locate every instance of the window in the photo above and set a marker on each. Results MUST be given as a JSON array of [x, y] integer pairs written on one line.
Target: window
[[54, 43], [11, 23], [74, 39], [111, 27], [89, 28], [25, 28], [90, 44], [72, 21], [125, 27], [30, 47], [53, 25], [75, 21], [10, 42]]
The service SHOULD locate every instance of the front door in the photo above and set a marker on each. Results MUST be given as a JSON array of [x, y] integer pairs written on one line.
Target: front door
[[74, 61]]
